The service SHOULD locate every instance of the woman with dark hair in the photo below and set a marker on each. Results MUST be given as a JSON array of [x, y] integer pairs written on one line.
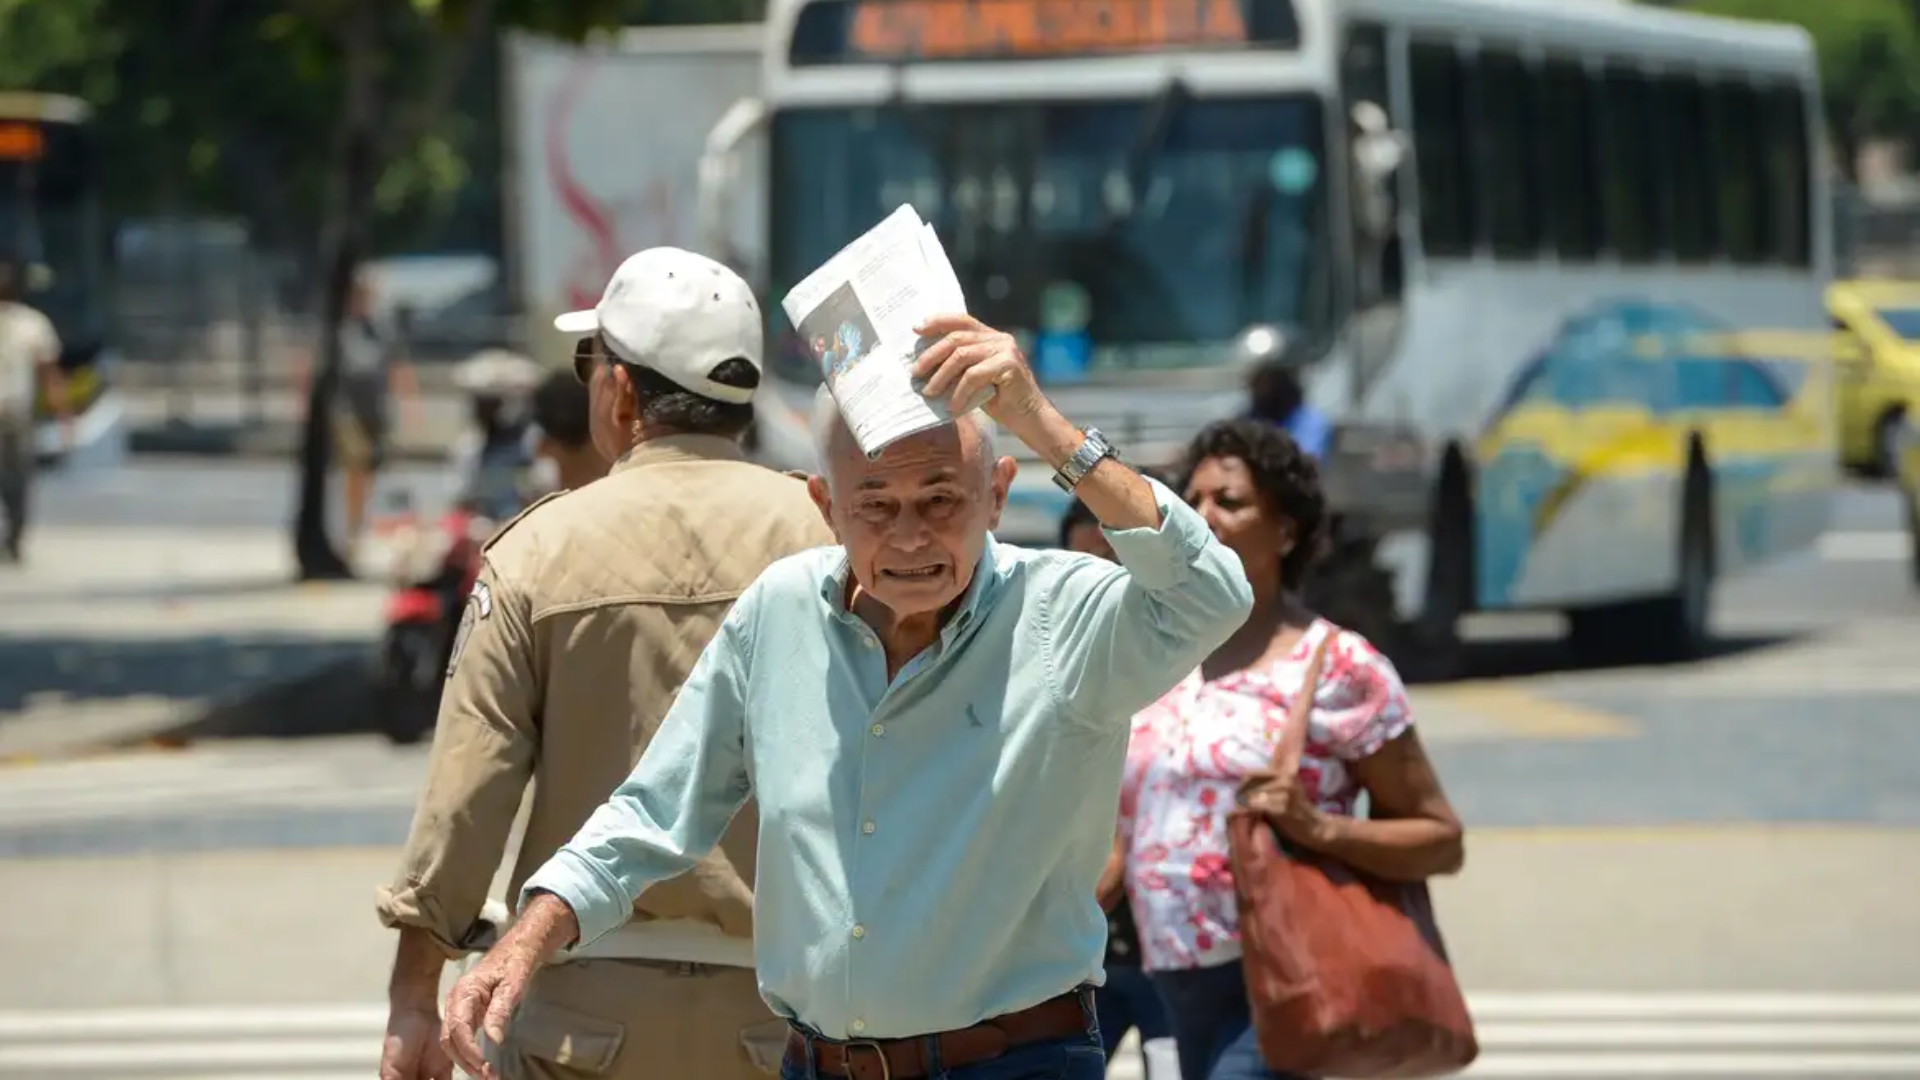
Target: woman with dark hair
[[1192, 751]]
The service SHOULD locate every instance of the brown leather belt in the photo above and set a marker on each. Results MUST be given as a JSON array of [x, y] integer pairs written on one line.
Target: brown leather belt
[[1063, 1017]]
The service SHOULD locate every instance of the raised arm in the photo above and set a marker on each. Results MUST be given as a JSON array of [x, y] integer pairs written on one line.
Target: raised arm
[[1117, 637], [1120, 636]]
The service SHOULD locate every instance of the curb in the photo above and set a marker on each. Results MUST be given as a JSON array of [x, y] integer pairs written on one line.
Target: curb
[[269, 443], [336, 698]]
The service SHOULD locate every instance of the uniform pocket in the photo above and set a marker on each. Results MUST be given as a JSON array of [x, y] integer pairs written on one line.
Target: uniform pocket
[[765, 1044], [557, 1034]]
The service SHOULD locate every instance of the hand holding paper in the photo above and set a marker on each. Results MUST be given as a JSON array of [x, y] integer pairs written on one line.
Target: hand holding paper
[[861, 314], [971, 365]]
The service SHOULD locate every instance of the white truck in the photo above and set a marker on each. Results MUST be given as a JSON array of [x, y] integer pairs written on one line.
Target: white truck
[[603, 149]]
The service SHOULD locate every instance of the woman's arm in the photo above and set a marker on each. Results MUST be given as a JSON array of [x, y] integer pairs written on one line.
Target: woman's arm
[[1113, 879], [1412, 833]]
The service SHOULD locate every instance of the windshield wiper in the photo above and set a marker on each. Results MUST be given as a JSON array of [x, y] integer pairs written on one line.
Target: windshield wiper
[[1148, 142]]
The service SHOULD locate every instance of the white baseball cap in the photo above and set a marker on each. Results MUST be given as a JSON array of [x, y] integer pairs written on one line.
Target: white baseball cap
[[680, 314]]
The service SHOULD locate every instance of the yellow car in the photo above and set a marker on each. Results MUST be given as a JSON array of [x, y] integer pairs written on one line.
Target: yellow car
[[1878, 368]]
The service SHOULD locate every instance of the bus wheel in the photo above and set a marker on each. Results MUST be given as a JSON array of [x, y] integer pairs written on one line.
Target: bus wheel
[[1353, 592], [1673, 628], [1885, 462], [1432, 642], [1910, 498]]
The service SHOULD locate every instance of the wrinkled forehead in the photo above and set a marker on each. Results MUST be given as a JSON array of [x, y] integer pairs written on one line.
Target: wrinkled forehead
[[943, 455]]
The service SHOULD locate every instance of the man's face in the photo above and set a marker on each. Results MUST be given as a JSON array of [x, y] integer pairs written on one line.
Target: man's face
[[915, 520], [1086, 537]]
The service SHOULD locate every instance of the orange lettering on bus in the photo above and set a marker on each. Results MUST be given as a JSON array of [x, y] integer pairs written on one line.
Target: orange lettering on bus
[[948, 29], [22, 142]]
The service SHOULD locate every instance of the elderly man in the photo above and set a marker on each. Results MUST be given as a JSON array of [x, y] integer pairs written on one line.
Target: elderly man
[[591, 607], [934, 726]]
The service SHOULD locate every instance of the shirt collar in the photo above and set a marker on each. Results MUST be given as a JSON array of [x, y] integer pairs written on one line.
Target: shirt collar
[[985, 581], [671, 448]]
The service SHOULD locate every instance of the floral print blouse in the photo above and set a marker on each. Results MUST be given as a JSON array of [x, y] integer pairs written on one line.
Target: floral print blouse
[[1191, 749]]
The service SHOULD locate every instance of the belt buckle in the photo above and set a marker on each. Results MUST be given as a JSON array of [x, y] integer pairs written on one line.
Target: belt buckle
[[847, 1048]]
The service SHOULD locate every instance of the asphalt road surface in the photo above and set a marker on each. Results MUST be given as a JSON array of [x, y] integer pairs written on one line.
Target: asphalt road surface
[[1700, 870]]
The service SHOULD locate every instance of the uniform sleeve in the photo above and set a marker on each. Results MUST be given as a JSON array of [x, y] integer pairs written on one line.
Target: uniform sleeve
[[482, 759], [1365, 706], [1119, 637], [690, 782]]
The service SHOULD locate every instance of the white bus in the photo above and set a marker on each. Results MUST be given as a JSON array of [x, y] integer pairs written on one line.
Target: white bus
[[1553, 267]]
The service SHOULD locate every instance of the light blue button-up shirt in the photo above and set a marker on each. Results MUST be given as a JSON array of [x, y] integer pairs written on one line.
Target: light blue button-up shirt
[[929, 846]]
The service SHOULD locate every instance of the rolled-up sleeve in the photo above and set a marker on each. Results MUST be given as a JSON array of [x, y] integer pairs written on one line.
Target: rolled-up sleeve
[[671, 810], [1119, 637], [484, 743]]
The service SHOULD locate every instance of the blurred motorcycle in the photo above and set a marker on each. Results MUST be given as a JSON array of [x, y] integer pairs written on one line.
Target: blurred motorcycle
[[436, 563], [436, 558]]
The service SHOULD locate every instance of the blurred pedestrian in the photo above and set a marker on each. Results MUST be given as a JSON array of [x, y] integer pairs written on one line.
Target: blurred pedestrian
[[374, 373], [1276, 396], [29, 369], [1192, 751], [934, 726], [1127, 1001], [590, 609], [494, 457], [563, 439]]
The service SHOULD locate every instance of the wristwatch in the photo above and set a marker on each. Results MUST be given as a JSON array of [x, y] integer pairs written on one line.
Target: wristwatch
[[1093, 449]]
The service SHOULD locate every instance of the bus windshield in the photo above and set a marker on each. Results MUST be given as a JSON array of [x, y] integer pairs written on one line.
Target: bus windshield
[[1154, 231], [49, 216]]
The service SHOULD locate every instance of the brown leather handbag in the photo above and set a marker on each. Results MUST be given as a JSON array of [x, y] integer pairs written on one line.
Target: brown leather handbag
[[1346, 974]]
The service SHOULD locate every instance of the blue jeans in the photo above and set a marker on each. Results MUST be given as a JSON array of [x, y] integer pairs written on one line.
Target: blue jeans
[[1128, 1001], [1212, 1024], [1077, 1058]]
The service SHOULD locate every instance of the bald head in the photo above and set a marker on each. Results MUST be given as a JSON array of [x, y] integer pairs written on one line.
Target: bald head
[[970, 439]]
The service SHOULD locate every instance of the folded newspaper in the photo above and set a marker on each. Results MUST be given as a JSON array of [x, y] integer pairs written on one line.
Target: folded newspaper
[[857, 314]]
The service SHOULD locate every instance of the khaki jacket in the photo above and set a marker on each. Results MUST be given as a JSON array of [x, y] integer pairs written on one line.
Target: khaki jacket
[[590, 611]]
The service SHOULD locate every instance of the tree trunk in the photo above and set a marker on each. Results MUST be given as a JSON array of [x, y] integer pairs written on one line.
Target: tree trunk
[[366, 145], [343, 244]]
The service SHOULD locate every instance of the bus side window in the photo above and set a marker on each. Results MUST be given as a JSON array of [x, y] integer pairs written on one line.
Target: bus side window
[[1448, 225], [1627, 164], [1784, 110], [1738, 163], [1565, 136], [1686, 163], [1506, 108]]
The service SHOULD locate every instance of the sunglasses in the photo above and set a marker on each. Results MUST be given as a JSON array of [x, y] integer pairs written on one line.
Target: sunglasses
[[586, 356]]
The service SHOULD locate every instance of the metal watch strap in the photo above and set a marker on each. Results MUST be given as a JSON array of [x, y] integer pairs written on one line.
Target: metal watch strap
[[1092, 450]]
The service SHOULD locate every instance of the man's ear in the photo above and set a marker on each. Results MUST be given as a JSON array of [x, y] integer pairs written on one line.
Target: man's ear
[[998, 485], [822, 501], [626, 411]]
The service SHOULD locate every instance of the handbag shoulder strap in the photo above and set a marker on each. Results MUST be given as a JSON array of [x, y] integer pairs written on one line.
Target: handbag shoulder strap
[[1293, 740]]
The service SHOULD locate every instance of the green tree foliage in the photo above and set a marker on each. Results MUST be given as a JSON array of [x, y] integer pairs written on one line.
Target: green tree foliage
[[1869, 53]]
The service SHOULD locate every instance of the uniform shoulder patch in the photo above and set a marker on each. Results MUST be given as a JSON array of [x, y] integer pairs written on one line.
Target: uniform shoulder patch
[[520, 517]]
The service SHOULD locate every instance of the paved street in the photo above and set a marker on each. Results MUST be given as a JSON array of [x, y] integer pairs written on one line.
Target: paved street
[[1688, 871]]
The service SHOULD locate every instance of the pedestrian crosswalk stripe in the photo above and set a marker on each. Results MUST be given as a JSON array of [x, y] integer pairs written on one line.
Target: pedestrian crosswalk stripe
[[205, 781], [1521, 1034]]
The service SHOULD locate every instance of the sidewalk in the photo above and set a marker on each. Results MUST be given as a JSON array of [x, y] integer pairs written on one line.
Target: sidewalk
[[112, 637], [229, 422]]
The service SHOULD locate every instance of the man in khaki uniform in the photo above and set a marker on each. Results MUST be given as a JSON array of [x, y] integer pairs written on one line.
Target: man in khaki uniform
[[589, 612]]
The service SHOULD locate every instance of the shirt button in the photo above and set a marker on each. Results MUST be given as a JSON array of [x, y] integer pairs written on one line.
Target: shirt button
[[867, 828], [879, 729], [857, 1026], [859, 932]]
